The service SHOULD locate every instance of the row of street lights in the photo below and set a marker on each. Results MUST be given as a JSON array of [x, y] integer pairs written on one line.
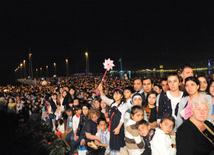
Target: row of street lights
[[22, 67]]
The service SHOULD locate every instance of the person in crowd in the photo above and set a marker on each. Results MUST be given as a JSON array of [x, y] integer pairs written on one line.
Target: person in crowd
[[158, 88], [136, 100], [116, 125], [104, 110], [168, 101], [134, 143], [164, 85], [79, 139], [11, 106], [90, 133], [162, 143], [69, 130], [104, 135], [128, 92], [211, 92], [184, 112], [53, 104], [138, 86], [147, 133], [203, 84], [76, 119], [150, 109], [147, 87], [196, 135], [60, 128], [186, 72]]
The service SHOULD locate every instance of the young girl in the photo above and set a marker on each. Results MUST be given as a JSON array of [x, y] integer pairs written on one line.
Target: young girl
[[60, 128], [162, 141], [133, 140], [116, 126], [150, 108]]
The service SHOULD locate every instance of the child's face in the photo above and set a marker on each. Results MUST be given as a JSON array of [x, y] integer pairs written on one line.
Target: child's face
[[78, 111], [76, 102], [137, 116], [167, 126], [152, 99], [69, 113], [102, 125], [127, 93], [117, 96], [143, 130]]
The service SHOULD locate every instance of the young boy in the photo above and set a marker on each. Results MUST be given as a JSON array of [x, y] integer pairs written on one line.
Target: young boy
[[69, 130], [104, 136], [147, 134]]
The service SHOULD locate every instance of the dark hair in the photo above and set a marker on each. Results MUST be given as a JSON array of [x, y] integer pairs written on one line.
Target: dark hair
[[142, 122], [60, 121], [192, 78], [148, 79], [139, 79], [163, 79], [207, 90], [100, 120], [135, 109], [173, 74], [158, 85], [68, 109], [130, 88], [77, 107], [210, 83], [54, 94], [149, 93], [169, 117], [186, 66]]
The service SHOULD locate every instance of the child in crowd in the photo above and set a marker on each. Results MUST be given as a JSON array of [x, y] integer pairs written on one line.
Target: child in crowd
[[150, 109], [161, 143], [60, 128], [69, 130], [134, 143], [104, 135], [76, 119], [116, 126], [147, 134], [58, 112]]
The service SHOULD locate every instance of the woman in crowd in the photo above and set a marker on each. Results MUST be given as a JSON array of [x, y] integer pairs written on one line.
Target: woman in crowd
[[184, 112], [211, 92], [196, 135], [168, 101], [203, 84], [90, 132], [150, 109]]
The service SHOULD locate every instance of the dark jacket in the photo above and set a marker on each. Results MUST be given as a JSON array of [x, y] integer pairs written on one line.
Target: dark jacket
[[53, 105], [81, 126]]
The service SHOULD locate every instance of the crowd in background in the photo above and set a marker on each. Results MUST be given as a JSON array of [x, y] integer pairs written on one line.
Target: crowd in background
[[121, 116]]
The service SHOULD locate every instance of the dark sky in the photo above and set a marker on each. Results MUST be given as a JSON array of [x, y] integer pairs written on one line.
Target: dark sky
[[143, 33]]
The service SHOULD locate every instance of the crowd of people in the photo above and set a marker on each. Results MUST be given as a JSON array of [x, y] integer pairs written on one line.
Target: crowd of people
[[135, 116]]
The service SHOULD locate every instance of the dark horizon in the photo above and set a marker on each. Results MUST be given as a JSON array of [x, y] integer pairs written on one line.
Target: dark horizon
[[144, 34]]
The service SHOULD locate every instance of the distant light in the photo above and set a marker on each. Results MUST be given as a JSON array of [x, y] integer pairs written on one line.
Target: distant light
[[161, 66]]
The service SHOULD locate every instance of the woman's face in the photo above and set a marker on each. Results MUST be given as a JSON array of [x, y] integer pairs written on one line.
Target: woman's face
[[96, 104], [72, 91], [212, 89], [191, 87], [200, 112], [152, 99], [137, 101], [173, 83], [64, 94], [138, 116], [157, 89], [94, 117], [117, 96], [85, 110], [103, 105], [203, 84]]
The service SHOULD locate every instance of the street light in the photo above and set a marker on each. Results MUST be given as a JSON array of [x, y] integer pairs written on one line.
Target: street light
[[36, 72], [86, 55], [55, 69], [24, 67], [21, 69], [30, 65], [46, 70], [41, 71], [67, 68]]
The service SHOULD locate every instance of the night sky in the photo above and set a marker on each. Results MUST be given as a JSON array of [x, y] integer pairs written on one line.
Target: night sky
[[143, 33]]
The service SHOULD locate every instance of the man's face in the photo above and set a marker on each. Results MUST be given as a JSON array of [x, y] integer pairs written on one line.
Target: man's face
[[187, 72], [147, 85], [165, 86], [138, 85]]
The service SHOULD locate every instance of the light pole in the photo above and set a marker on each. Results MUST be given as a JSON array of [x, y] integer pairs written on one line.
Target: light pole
[[41, 71], [30, 65], [87, 62], [37, 73], [67, 68], [24, 67], [55, 69], [21, 69], [47, 71]]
